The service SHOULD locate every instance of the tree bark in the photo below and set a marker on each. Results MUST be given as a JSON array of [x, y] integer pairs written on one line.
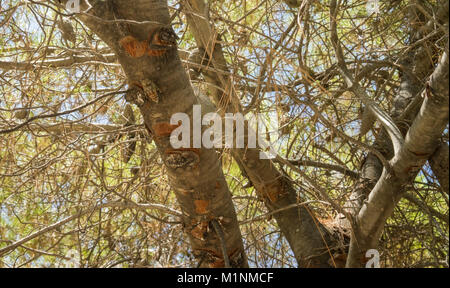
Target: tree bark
[[310, 242], [405, 108], [439, 164], [195, 175], [420, 143]]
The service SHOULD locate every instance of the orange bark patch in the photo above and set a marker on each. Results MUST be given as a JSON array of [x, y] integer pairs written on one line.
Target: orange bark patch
[[273, 191], [201, 206], [133, 46], [164, 129], [273, 195]]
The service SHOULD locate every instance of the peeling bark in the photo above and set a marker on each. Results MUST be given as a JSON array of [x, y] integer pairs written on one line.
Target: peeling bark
[[310, 242], [195, 176]]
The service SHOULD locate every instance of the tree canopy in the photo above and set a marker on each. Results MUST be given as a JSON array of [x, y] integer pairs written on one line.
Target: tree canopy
[[359, 90]]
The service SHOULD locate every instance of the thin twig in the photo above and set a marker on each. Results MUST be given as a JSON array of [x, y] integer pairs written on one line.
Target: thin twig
[[220, 234]]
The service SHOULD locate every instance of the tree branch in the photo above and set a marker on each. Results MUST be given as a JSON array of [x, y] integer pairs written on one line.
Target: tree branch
[[420, 142], [382, 116], [128, 205]]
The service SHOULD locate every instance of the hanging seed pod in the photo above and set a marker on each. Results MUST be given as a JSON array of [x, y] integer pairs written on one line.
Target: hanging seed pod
[[129, 149], [21, 114], [129, 115], [367, 121], [293, 3], [67, 31]]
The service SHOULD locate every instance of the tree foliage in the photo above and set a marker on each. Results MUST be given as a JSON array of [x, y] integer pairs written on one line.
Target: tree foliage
[[82, 179]]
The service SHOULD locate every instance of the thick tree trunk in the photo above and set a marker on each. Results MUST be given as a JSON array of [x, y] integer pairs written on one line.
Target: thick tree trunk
[[405, 109], [420, 143], [195, 175], [310, 242]]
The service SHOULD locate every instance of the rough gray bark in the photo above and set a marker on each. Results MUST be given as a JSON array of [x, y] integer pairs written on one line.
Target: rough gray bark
[[195, 175], [406, 106], [420, 143], [310, 242]]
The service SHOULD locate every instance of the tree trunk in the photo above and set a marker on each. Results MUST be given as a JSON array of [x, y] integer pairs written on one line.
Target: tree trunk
[[310, 242], [421, 142], [163, 89], [406, 106]]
